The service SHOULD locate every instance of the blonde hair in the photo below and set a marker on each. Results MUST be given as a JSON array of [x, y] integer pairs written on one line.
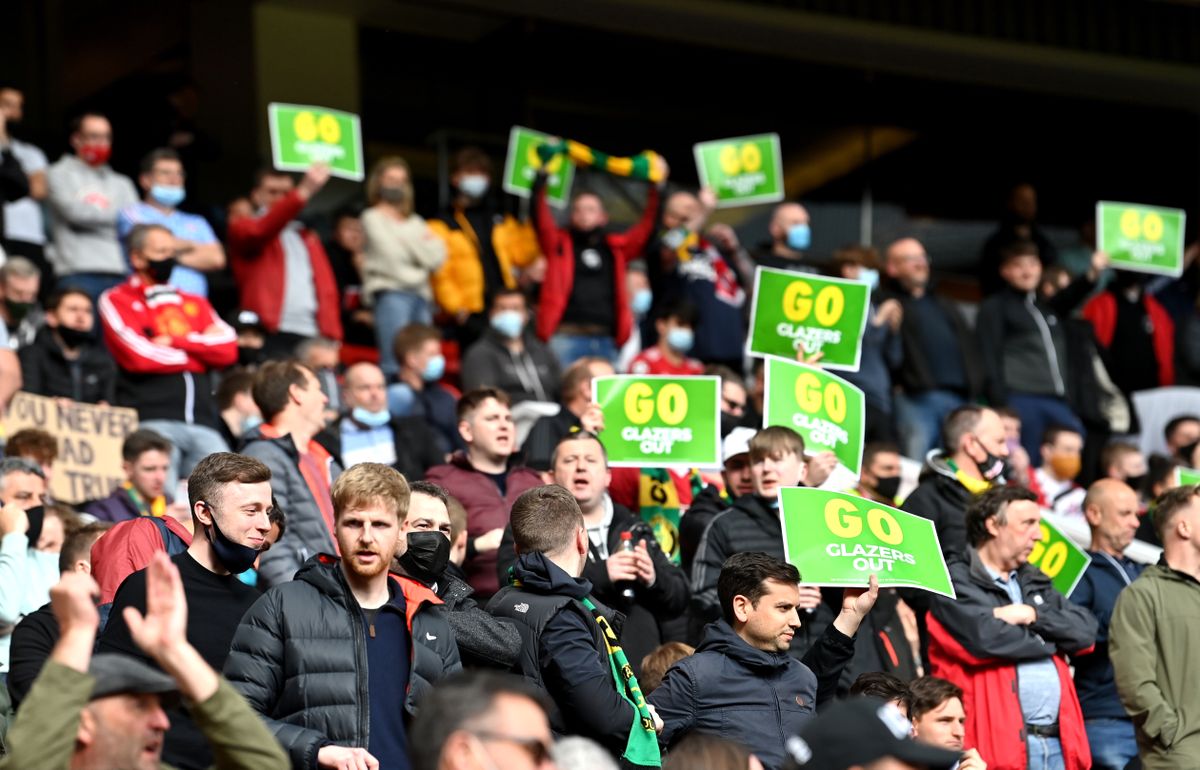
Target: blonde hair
[[373, 182], [368, 484], [776, 441]]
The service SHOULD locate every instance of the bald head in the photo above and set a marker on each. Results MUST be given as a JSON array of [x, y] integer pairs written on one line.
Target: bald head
[[1111, 508], [908, 264], [784, 217], [365, 387]]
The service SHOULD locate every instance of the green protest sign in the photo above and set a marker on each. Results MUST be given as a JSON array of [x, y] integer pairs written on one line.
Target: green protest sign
[[1144, 239], [827, 411], [659, 421], [836, 539], [1059, 558], [800, 313], [302, 135], [743, 170], [522, 164], [1186, 477]]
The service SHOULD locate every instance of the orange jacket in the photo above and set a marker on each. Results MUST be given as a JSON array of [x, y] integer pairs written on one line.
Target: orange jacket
[[458, 285]]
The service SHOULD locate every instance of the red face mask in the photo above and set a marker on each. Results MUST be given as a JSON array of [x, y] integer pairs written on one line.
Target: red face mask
[[95, 154]]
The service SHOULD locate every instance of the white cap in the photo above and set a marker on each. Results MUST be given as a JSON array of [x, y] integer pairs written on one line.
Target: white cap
[[737, 443]]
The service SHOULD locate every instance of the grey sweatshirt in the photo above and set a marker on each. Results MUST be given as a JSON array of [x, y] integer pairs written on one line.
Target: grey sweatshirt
[[84, 202]]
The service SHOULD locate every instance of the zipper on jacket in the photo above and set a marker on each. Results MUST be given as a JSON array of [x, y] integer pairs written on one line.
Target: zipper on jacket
[[1048, 342]]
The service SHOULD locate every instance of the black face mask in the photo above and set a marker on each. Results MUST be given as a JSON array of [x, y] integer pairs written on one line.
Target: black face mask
[[73, 338], [1137, 482], [236, 558], [887, 487], [992, 468], [250, 356], [161, 271], [37, 517], [729, 422], [427, 555], [18, 310]]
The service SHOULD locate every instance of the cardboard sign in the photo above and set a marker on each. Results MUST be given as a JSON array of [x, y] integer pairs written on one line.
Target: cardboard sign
[[1144, 239], [828, 412], [522, 163], [659, 421], [836, 539], [799, 313], [1059, 558], [302, 135], [742, 171], [89, 442], [1186, 477]]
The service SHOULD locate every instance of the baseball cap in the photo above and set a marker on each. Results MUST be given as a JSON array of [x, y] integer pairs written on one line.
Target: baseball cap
[[122, 675], [247, 320], [736, 443], [859, 731]]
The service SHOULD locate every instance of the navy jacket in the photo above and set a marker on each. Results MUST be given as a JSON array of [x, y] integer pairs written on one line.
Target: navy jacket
[[756, 698], [1097, 591]]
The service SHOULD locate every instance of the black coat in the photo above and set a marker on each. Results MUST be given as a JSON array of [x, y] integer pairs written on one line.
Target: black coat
[[704, 508], [941, 498], [915, 376], [482, 640], [668, 598], [300, 658], [45, 371], [752, 697], [33, 640]]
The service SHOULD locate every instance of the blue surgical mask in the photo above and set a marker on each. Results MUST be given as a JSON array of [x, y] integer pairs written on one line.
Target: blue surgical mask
[[371, 419], [167, 195], [473, 185], [680, 339], [251, 422], [799, 237], [869, 276], [434, 369], [641, 302], [509, 323]]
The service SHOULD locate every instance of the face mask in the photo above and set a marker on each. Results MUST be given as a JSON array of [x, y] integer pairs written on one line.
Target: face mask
[[680, 340], [427, 555], [728, 423], [18, 310], [235, 557], [509, 323], [73, 338], [799, 237], [1066, 467], [434, 369], [371, 419], [869, 277], [473, 185], [641, 302], [887, 487], [393, 194], [249, 356], [167, 195], [160, 271], [251, 422], [992, 468], [95, 154], [1137, 482], [676, 237], [36, 516]]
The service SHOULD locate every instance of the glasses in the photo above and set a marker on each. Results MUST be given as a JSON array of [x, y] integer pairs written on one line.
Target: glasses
[[536, 748]]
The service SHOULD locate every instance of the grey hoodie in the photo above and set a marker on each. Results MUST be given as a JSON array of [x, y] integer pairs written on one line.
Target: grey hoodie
[[84, 202]]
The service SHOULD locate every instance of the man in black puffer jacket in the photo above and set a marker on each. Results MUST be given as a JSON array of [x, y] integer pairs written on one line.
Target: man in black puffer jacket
[[317, 657]]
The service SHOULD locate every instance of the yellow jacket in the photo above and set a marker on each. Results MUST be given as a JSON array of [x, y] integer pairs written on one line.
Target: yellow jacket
[[458, 285]]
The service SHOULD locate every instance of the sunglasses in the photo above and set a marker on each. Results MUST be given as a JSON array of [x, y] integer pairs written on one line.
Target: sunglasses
[[537, 749]]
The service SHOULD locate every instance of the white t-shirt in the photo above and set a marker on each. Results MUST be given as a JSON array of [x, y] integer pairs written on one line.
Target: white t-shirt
[[23, 217]]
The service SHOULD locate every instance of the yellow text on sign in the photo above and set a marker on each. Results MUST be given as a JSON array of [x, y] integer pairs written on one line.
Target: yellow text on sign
[[743, 159], [798, 303], [1134, 225], [845, 520], [810, 397], [309, 127], [1049, 560], [641, 404]]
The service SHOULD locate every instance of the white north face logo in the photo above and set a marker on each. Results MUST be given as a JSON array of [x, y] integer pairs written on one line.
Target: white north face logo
[[522, 607]]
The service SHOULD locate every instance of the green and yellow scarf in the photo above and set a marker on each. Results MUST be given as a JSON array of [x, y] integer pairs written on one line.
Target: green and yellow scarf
[[641, 166]]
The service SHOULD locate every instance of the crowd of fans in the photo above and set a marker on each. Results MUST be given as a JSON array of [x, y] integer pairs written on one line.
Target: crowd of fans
[[368, 522]]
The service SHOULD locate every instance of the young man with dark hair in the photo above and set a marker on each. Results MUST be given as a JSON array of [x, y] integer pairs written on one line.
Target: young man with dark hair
[[578, 411], [885, 687], [676, 325], [1154, 625], [570, 649], [1061, 463], [510, 358], [484, 480], [743, 666], [65, 360], [229, 496], [235, 400], [146, 460], [1182, 432], [880, 479], [417, 390], [1003, 640], [1123, 461], [938, 718], [338, 660], [302, 471]]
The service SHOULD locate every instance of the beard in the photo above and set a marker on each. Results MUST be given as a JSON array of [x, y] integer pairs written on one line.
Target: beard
[[367, 570]]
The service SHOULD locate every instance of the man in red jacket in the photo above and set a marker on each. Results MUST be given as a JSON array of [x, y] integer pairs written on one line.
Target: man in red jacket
[[584, 306], [281, 266], [483, 482], [165, 343], [1004, 639]]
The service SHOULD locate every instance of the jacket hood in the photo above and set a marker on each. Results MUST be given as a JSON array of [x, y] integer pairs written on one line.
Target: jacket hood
[[540, 575], [719, 637], [937, 463], [1164, 571]]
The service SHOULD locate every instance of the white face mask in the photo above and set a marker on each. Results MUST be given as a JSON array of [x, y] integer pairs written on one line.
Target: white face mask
[[473, 185]]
